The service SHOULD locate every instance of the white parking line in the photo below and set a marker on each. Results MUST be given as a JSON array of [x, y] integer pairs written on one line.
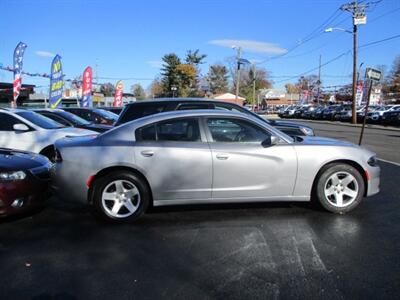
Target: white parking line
[[390, 162]]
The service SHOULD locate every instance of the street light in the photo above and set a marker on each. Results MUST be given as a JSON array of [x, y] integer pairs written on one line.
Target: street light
[[354, 33], [173, 89], [338, 29]]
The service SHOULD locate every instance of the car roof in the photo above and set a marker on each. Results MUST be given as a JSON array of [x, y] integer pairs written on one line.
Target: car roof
[[191, 113], [13, 110], [158, 100]]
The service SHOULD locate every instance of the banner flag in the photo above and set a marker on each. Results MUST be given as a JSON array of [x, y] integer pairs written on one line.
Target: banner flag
[[360, 92], [119, 92], [56, 83], [17, 83], [87, 79]]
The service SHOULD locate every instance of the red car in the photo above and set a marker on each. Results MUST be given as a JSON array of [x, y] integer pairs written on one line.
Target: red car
[[24, 181]]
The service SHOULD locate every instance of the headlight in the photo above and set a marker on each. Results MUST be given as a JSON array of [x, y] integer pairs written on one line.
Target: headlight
[[307, 131], [12, 176], [373, 161]]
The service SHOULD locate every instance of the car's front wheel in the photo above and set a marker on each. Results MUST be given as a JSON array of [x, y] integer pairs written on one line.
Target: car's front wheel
[[340, 188], [120, 197]]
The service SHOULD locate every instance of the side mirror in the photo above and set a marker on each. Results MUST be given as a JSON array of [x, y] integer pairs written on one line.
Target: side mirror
[[270, 141], [20, 127]]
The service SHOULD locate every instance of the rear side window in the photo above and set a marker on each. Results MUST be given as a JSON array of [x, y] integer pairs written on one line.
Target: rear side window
[[133, 112], [181, 130], [7, 122]]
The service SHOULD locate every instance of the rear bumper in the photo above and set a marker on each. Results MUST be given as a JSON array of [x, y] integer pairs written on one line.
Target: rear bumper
[[68, 184]]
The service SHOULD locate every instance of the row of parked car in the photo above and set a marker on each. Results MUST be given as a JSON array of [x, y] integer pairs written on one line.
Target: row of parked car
[[382, 114], [172, 151]]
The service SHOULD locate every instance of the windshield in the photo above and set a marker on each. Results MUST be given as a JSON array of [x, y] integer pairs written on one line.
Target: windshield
[[73, 118], [106, 114], [40, 120]]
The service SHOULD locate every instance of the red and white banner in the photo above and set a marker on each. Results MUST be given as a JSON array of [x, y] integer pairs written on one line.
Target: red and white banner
[[119, 92], [359, 94], [87, 82]]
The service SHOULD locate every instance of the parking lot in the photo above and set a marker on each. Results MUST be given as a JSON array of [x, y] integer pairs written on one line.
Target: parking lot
[[257, 251]]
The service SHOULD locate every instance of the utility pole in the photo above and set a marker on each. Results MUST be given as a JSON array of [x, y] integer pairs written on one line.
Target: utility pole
[[254, 84], [319, 79], [357, 11], [238, 57]]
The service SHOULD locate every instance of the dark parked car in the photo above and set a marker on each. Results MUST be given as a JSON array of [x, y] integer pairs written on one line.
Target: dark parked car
[[391, 117], [69, 119], [24, 180], [94, 115], [136, 110], [115, 110]]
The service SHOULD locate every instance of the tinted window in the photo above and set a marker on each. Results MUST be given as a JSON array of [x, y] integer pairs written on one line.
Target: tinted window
[[136, 111], [185, 130], [39, 120], [72, 118], [146, 133], [189, 106], [108, 115], [56, 118], [235, 130], [7, 122]]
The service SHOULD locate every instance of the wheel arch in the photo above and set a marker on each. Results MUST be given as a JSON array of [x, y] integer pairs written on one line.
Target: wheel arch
[[352, 163], [46, 149], [111, 169]]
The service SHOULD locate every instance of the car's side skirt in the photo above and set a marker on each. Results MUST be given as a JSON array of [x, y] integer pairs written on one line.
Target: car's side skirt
[[228, 200]]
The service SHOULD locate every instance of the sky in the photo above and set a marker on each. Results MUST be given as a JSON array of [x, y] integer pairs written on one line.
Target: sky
[[127, 39]]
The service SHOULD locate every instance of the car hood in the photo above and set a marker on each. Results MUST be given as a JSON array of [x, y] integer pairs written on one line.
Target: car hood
[[73, 131], [323, 141], [13, 160], [286, 124]]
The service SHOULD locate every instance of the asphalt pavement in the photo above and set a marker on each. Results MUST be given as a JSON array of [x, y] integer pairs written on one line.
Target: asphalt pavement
[[248, 251], [385, 141]]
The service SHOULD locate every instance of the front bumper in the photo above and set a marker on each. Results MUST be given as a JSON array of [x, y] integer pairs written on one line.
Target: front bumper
[[29, 194], [374, 174]]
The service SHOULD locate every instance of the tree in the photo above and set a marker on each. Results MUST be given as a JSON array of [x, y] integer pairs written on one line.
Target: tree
[[308, 83], [155, 89], [194, 58], [393, 79], [108, 89], [188, 84], [218, 79], [247, 77], [138, 91], [291, 88], [170, 73]]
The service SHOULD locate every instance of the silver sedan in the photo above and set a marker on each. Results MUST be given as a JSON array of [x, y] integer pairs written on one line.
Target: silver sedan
[[210, 156]]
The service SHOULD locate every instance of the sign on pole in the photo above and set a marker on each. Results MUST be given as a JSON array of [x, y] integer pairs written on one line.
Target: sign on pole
[[373, 74]]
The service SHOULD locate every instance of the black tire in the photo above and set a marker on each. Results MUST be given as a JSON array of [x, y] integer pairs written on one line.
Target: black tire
[[50, 153], [100, 184], [322, 180]]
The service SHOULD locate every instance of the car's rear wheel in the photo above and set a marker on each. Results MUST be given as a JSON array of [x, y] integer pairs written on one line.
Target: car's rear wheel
[[340, 188], [120, 197]]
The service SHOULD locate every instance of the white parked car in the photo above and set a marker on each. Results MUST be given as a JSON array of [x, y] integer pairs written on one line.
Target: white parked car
[[376, 115], [26, 130]]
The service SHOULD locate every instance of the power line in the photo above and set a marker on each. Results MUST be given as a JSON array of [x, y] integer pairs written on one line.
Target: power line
[[338, 57]]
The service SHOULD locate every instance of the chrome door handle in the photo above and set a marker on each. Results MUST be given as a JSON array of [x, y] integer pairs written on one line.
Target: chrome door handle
[[222, 156], [147, 153]]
